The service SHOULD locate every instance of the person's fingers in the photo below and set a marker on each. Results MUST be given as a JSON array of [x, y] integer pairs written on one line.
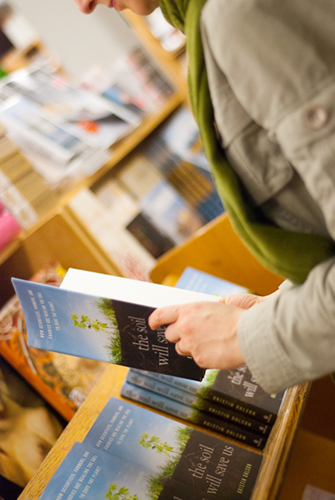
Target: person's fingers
[[180, 350], [243, 300], [163, 316]]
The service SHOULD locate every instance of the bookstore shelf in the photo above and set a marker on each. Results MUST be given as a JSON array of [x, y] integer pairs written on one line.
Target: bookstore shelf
[[57, 237], [129, 143], [301, 447], [117, 153]]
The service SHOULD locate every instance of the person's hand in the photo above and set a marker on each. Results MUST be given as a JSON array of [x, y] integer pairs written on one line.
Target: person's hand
[[207, 331], [246, 300]]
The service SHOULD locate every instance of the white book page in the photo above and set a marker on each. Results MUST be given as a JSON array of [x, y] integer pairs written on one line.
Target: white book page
[[129, 290]]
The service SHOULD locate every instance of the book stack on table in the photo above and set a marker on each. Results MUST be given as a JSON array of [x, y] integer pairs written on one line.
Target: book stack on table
[[131, 453], [229, 402]]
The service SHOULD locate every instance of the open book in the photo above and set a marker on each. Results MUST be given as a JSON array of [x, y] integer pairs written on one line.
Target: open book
[[104, 317]]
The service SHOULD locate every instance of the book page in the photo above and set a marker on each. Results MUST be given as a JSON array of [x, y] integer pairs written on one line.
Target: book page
[[124, 289]]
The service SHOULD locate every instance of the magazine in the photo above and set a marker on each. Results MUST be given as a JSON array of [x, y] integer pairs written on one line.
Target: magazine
[[105, 318], [55, 152], [69, 106]]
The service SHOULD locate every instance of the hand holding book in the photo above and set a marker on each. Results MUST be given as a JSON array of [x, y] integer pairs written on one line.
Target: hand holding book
[[105, 318], [207, 331]]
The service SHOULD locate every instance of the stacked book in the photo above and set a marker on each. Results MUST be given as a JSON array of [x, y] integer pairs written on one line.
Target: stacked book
[[131, 453], [229, 402]]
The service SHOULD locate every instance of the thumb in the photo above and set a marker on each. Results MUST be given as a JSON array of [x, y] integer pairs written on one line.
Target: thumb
[[242, 300]]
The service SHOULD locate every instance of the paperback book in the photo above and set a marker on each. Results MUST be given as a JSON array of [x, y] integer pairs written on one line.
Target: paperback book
[[235, 389], [190, 414], [105, 318], [194, 404], [89, 473], [175, 451], [198, 281]]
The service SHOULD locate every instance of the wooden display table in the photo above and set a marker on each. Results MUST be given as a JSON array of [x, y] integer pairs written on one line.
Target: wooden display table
[[275, 454]]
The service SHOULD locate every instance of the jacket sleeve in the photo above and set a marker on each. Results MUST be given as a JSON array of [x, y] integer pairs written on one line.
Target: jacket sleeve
[[291, 338], [279, 59]]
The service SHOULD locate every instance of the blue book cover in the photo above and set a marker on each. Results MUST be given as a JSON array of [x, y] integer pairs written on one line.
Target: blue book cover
[[110, 327], [89, 473], [235, 418], [174, 450], [198, 281], [190, 414]]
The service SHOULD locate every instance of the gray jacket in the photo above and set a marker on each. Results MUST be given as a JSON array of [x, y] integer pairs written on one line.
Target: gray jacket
[[271, 73]]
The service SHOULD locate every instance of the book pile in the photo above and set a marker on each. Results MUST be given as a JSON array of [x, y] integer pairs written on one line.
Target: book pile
[[63, 130], [134, 81], [133, 454], [229, 402]]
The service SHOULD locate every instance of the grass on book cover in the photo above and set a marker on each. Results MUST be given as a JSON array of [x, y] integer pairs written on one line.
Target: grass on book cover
[[99, 328], [90, 473], [236, 389], [175, 451]]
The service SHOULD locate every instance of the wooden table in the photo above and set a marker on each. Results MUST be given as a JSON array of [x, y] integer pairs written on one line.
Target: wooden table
[[275, 453]]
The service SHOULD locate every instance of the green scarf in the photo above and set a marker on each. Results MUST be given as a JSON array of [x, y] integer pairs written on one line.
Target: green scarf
[[283, 252]]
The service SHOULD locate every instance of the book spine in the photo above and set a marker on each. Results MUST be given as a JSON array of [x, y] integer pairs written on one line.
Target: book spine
[[216, 397], [193, 415], [248, 410], [235, 418]]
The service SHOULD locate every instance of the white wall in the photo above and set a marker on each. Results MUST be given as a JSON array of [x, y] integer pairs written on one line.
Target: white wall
[[79, 41]]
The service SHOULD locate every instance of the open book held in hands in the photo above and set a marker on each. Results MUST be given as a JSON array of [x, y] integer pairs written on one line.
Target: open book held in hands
[[104, 317]]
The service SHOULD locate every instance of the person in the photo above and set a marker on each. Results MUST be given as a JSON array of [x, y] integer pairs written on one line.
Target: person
[[261, 84]]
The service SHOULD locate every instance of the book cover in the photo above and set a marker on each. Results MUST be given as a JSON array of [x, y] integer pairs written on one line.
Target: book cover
[[235, 389], [194, 415], [108, 323], [89, 473], [63, 381], [138, 378], [198, 281], [125, 212], [174, 450], [158, 200]]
